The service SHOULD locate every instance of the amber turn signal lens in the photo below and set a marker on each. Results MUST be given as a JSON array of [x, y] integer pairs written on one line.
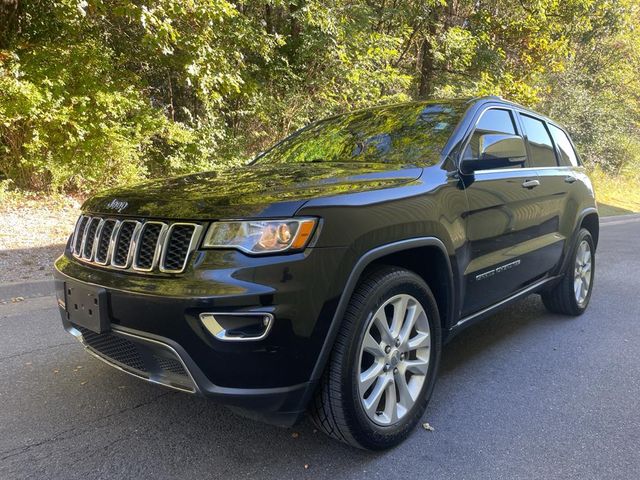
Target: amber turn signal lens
[[304, 232]]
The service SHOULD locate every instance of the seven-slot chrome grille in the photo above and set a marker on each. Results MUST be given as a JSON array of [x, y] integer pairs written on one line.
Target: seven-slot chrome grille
[[143, 246]]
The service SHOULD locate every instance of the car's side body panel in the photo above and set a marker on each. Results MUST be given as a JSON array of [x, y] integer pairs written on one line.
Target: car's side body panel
[[516, 235], [507, 241]]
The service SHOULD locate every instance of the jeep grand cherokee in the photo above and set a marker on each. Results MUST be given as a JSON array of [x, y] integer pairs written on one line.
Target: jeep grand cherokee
[[327, 274]]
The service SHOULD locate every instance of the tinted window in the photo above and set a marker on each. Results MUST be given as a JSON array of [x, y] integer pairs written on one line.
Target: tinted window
[[491, 121], [567, 153], [540, 143], [410, 134]]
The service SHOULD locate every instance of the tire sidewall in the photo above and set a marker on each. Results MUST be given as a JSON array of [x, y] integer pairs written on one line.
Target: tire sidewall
[[369, 434]]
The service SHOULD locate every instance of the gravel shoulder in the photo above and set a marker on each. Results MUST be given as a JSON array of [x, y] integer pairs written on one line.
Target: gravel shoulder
[[33, 235]]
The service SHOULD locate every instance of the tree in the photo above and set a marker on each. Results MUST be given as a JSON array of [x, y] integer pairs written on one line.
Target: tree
[[96, 92]]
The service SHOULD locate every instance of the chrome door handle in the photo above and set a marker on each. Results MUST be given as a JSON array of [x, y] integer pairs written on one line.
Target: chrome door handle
[[530, 184], [570, 179]]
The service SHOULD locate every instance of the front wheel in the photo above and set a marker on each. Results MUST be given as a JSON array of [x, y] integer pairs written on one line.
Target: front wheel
[[383, 366], [571, 296]]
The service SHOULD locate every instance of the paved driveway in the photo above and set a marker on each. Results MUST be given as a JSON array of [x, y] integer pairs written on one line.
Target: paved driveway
[[525, 394]]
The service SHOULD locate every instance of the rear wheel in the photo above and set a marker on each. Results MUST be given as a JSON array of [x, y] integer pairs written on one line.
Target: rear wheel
[[571, 296], [383, 366]]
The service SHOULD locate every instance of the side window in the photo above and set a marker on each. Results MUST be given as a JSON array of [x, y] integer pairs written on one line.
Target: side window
[[567, 153], [540, 144], [492, 121]]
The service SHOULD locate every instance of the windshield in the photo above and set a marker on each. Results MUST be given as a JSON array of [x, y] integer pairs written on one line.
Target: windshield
[[408, 134]]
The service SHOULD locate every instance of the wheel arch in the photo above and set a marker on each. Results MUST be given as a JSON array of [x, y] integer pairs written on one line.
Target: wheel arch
[[431, 264], [401, 251], [591, 221]]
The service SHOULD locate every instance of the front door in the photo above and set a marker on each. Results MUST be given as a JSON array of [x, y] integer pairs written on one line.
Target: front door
[[502, 222]]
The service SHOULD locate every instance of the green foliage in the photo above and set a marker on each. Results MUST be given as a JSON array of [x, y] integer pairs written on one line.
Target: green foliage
[[102, 92], [597, 94]]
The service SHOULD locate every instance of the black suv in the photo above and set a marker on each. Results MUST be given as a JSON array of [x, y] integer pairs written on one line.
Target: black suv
[[327, 274]]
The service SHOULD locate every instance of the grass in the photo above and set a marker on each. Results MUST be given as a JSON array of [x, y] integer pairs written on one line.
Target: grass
[[616, 195]]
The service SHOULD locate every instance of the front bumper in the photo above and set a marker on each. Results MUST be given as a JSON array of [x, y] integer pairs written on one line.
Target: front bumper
[[156, 333]]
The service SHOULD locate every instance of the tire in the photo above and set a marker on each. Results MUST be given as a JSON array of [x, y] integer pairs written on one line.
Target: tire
[[338, 408], [564, 298]]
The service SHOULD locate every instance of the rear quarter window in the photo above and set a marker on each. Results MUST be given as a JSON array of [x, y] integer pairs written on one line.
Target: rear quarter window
[[567, 153], [540, 144]]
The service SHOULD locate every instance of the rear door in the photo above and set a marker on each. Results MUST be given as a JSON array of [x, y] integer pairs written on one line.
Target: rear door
[[502, 221], [552, 194], [571, 179]]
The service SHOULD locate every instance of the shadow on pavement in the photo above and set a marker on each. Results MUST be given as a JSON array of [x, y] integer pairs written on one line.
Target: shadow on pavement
[[26, 264]]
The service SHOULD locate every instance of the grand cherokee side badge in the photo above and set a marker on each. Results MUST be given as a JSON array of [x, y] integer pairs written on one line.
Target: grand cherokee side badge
[[117, 205], [500, 269]]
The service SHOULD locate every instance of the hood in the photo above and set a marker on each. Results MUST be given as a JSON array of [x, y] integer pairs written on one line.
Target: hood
[[247, 192]]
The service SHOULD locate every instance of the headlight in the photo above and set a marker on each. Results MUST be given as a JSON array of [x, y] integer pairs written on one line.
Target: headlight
[[261, 236]]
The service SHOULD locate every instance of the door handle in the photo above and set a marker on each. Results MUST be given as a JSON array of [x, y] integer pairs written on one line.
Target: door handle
[[530, 184], [570, 179]]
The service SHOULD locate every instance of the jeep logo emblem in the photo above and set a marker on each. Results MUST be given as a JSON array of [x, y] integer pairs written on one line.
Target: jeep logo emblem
[[117, 205]]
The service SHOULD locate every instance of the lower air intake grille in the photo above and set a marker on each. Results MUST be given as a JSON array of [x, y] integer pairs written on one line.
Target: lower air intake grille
[[115, 348], [171, 365], [144, 358]]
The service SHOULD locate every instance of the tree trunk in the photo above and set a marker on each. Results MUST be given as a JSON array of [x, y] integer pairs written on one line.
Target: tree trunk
[[9, 11], [427, 55], [268, 18], [427, 73]]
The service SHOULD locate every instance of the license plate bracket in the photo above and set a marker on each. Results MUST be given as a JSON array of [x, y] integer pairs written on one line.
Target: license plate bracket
[[87, 307]]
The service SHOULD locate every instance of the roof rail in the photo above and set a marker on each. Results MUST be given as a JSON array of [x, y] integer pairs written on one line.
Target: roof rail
[[486, 97]]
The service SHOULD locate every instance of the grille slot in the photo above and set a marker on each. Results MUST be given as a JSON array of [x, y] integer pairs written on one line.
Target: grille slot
[[90, 238], [147, 248], [104, 239], [79, 234], [122, 245], [179, 241], [131, 245]]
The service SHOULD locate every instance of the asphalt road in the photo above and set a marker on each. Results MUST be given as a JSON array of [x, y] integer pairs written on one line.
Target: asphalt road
[[525, 394]]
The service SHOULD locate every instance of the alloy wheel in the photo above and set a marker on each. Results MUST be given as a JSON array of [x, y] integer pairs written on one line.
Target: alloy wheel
[[394, 359], [582, 273]]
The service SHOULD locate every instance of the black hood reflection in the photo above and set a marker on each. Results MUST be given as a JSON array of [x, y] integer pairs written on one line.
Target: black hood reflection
[[369, 149], [251, 191]]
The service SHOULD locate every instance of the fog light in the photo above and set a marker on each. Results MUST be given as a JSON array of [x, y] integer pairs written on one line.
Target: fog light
[[237, 327]]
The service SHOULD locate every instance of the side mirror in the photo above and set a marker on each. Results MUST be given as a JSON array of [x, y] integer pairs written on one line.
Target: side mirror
[[496, 151]]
